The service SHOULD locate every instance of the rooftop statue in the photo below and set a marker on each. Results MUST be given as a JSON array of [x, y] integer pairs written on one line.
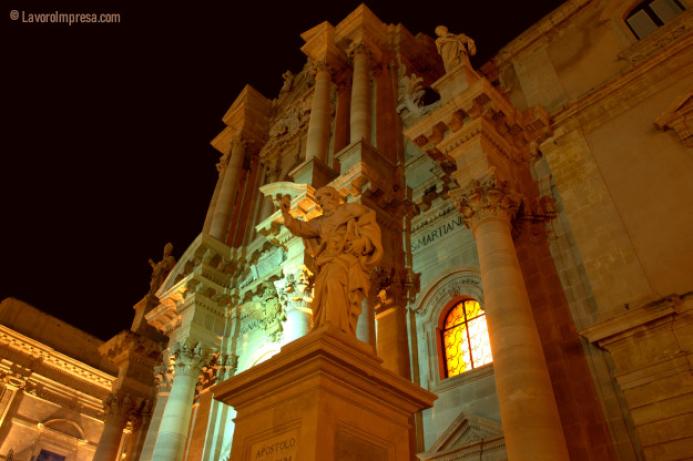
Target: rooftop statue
[[161, 269], [345, 244], [455, 49]]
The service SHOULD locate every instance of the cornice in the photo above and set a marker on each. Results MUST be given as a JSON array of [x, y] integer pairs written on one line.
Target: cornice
[[629, 88], [55, 359]]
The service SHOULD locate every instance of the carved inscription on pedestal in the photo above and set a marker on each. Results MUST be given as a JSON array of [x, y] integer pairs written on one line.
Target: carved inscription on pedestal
[[280, 448]]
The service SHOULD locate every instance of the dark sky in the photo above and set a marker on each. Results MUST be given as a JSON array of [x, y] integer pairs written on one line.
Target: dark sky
[[106, 128]]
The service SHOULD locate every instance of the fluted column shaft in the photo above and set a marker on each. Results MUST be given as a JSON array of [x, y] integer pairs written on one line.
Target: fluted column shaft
[[175, 422], [531, 423], [228, 191], [360, 118], [319, 123], [117, 408]]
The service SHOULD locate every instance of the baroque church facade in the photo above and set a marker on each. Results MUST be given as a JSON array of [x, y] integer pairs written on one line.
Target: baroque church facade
[[537, 234]]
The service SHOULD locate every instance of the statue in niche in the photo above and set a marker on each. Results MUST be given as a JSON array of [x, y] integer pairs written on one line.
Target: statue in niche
[[455, 49], [345, 245], [161, 269]]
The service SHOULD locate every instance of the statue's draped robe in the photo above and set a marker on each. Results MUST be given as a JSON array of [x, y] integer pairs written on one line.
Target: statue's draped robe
[[342, 279], [453, 50]]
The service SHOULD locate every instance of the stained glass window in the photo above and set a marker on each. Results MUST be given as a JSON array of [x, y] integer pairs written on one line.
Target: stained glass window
[[465, 338]]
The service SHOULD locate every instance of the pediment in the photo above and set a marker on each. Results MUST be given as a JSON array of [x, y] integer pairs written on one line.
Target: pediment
[[464, 437]]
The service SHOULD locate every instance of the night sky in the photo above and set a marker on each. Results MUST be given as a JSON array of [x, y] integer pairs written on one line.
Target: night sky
[[106, 129]]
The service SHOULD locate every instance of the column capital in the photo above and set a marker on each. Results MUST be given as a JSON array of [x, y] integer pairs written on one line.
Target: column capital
[[163, 373], [190, 357], [318, 65], [237, 141], [486, 198], [119, 404], [228, 364], [295, 289], [358, 48]]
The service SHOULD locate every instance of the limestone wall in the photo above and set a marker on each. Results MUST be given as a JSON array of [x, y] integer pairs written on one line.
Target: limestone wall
[[621, 178]]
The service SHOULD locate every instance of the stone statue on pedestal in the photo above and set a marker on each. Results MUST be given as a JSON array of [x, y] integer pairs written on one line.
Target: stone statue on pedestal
[[161, 269], [345, 244], [455, 49]]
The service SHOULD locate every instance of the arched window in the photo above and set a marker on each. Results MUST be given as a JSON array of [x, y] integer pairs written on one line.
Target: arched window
[[464, 336], [646, 17]]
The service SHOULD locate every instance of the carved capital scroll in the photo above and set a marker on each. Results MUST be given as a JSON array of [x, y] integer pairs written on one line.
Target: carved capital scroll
[[487, 198]]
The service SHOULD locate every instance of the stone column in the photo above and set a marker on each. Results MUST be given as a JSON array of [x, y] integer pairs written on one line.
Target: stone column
[[231, 171], [175, 422], [295, 294], [117, 408], [140, 426], [267, 204], [360, 119], [531, 424], [319, 124], [365, 326], [154, 425]]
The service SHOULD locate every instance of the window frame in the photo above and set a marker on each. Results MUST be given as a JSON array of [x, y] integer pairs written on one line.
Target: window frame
[[645, 6], [440, 333]]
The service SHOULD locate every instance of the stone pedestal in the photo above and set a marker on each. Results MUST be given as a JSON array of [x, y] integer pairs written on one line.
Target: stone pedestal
[[323, 397], [456, 81]]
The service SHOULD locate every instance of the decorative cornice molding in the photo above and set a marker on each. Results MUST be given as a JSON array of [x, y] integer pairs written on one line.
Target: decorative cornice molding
[[626, 90], [55, 359], [130, 345], [540, 31], [615, 328], [679, 117]]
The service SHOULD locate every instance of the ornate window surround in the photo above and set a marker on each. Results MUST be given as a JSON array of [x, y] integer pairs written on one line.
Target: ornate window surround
[[462, 283]]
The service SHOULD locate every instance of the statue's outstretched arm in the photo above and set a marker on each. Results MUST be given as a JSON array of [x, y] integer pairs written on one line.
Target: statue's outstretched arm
[[298, 228]]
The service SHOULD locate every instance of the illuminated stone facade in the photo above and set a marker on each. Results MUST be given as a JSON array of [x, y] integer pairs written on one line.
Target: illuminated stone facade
[[552, 185], [66, 395], [53, 383]]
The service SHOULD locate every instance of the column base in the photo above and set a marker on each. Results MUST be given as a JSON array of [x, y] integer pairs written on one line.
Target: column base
[[314, 172], [324, 397]]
